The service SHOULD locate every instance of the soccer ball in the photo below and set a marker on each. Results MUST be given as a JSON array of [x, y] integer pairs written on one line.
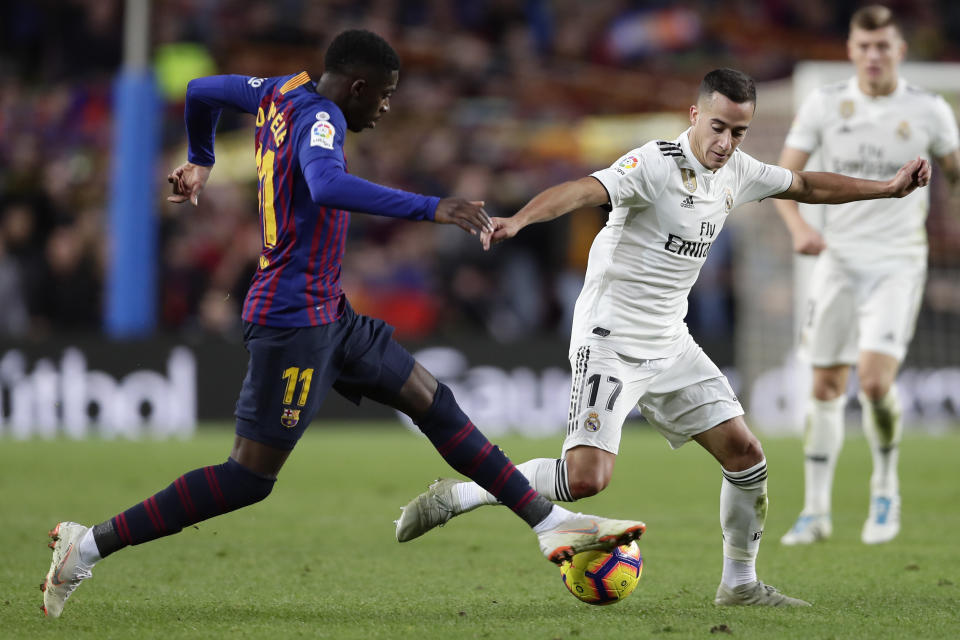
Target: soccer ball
[[603, 577]]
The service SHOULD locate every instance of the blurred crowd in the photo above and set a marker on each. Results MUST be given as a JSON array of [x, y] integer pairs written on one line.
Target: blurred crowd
[[488, 94]]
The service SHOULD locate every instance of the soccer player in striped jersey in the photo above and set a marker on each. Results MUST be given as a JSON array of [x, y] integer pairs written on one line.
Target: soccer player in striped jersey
[[629, 345], [299, 329], [868, 280]]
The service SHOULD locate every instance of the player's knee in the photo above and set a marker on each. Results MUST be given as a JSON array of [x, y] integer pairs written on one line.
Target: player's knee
[[827, 389], [586, 483], [874, 388], [246, 487], [745, 453], [419, 394]]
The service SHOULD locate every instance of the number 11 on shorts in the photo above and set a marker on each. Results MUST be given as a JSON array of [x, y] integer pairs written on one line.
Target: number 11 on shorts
[[293, 375]]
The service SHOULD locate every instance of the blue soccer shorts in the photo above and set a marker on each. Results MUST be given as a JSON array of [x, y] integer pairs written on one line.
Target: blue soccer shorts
[[291, 369]]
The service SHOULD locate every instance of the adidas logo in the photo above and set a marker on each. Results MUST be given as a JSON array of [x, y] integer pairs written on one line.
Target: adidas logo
[[687, 203]]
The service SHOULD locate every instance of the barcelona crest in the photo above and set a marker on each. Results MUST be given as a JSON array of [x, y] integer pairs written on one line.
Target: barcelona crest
[[290, 417]]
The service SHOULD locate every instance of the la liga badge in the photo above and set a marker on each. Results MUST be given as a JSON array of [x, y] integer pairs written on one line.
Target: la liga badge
[[322, 134]]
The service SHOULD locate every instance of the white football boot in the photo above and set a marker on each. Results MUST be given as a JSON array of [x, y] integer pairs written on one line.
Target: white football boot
[[432, 508], [66, 569], [756, 594], [883, 523], [809, 528], [587, 533]]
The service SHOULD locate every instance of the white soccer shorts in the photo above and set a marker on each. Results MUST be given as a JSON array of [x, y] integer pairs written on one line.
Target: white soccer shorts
[[852, 308], [681, 396]]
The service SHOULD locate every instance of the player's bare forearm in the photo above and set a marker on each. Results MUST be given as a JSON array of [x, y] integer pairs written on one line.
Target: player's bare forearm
[[562, 199], [950, 166], [806, 239], [790, 214], [547, 205], [819, 187]]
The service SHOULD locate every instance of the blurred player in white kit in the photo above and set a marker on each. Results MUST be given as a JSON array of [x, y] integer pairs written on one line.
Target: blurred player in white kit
[[867, 285]]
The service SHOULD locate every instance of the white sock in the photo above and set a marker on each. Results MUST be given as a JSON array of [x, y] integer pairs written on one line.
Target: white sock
[[738, 572], [743, 511], [87, 548], [557, 515], [548, 476], [883, 427], [823, 440]]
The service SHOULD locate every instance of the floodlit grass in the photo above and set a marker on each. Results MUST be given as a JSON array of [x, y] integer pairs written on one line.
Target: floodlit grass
[[318, 558]]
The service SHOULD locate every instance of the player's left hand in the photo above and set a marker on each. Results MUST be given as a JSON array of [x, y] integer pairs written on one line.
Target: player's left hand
[[469, 215], [912, 175], [188, 181]]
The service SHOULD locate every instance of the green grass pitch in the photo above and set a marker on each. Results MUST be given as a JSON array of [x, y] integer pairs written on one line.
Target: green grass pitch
[[318, 558]]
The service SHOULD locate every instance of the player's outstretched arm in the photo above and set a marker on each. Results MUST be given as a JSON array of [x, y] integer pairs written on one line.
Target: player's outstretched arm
[[817, 187], [547, 205], [188, 181], [806, 239]]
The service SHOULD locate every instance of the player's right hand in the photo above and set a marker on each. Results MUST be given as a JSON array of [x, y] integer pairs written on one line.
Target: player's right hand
[[503, 229], [808, 241], [912, 175], [188, 181], [469, 215]]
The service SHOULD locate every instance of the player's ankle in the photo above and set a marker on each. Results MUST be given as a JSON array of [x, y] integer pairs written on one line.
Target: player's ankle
[[557, 515]]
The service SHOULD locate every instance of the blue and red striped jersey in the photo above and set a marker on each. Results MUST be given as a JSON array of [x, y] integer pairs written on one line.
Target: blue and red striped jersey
[[304, 192]]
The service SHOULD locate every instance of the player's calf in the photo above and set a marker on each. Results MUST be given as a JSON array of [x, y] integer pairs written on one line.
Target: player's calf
[[468, 451]]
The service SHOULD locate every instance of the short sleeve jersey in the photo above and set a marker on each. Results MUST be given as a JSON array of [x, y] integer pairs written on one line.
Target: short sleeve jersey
[[667, 210], [872, 137]]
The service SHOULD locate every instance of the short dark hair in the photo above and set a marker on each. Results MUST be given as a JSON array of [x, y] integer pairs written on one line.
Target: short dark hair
[[360, 48], [731, 83], [873, 17]]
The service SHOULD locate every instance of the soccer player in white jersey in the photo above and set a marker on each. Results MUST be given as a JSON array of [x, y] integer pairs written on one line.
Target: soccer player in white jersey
[[868, 281], [629, 345]]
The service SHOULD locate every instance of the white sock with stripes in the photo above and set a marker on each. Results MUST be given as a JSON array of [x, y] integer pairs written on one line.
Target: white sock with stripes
[[743, 511], [823, 440], [548, 476]]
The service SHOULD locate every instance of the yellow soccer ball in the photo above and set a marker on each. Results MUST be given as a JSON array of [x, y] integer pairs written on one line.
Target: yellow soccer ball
[[603, 577]]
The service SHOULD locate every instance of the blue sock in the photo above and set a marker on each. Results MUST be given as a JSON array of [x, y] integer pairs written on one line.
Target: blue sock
[[468, 451], [193, 497]]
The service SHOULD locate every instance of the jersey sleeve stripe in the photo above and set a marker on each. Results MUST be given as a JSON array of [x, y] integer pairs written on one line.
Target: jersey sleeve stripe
[[296, 81]]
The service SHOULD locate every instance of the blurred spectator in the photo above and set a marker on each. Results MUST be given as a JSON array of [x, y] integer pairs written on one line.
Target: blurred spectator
[[491, 93]]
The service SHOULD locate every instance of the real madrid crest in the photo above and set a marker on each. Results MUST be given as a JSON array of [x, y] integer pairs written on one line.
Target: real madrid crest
[[689, 179], [846, 108], [903, 130], [728, 201], [592, 423]]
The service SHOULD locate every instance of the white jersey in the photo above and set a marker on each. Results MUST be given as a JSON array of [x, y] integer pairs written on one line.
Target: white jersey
[[872, 137], [667, 211]]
